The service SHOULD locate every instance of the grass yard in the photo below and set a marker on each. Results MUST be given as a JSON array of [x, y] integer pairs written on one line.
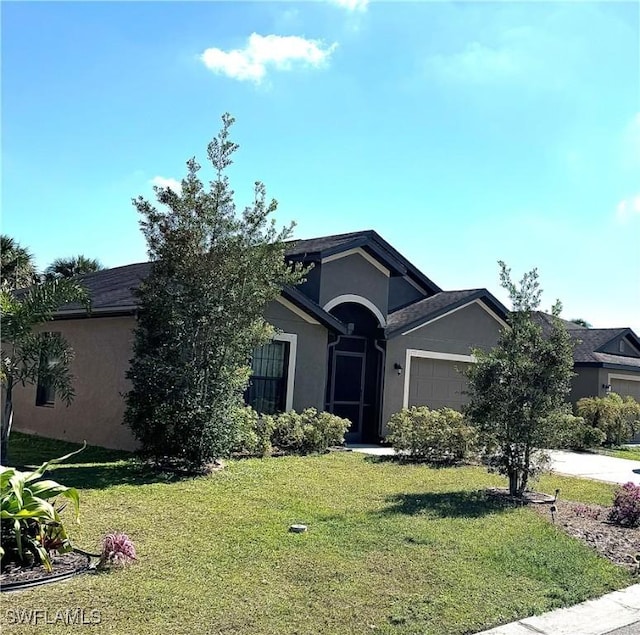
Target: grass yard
[[390, 549], [633, 454]]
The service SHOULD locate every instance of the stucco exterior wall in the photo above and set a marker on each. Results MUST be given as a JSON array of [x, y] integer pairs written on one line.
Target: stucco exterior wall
[[311, 357], [586, 383], [354, 275], [402, 293], [458, 333], [102, 349]]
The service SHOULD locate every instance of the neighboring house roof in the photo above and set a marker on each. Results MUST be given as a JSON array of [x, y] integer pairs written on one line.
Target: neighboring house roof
[[590, 342], [427, 310], [112, 293], [546, 320], [588, 351], [315, 249]]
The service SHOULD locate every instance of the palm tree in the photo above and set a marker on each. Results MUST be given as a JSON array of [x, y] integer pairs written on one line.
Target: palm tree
[[69, 267], [16, 264], [28, 356]]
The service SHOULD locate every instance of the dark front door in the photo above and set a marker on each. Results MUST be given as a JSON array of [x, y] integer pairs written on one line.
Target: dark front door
[[347, 389], [354, 375]]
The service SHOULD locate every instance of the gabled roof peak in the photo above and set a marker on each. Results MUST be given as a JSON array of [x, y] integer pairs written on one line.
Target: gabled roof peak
[[314, 249]]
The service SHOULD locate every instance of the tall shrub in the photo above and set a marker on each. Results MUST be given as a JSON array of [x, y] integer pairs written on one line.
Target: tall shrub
[[517, 389], [201, 309]]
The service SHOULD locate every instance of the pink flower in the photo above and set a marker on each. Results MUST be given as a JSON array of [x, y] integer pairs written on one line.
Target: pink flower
[[117, 549]]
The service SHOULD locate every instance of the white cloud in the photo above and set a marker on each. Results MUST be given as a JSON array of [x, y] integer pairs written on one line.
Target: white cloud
[[478, 63], [264, 51], [628, 208], [161, 181], [352, 5]]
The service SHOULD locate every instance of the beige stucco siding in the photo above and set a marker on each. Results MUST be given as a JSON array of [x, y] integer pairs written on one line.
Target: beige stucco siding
[[354, 275], [102, 349], [586, 383], [457, 333], [311, 355]]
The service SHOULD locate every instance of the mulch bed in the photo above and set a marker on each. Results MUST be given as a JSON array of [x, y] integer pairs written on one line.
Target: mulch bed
[[64, 565], [589, 523]]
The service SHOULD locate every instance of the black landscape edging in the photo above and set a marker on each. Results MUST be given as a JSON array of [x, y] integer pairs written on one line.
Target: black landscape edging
[[9, 587]]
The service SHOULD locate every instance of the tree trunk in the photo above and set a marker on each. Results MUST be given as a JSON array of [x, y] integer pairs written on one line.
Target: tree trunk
[[517, 481], [7, 421]]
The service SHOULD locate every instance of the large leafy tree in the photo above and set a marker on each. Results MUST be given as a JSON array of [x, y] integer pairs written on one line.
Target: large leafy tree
[[29, 355], [201, 309], [16, 264], [518, 390], [72, 266]]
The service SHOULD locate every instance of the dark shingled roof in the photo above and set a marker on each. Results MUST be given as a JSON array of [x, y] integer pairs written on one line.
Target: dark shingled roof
[[111, 289], [112, 292], [590, 341], [322, 244], [315, 249], [437, 305], [618, 360], [546, 321]]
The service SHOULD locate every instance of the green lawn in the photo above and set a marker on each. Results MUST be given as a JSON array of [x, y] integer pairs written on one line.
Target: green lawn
[[632, 454], [390, 549]]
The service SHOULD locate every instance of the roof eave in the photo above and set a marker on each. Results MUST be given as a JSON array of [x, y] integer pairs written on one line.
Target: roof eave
[[610, 365], [314, 310], [481, 294]]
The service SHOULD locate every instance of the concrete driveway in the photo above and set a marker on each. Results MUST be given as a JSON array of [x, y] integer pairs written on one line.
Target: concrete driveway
[[595, 466]]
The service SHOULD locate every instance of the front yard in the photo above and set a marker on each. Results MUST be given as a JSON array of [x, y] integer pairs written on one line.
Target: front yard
[[390, 549]]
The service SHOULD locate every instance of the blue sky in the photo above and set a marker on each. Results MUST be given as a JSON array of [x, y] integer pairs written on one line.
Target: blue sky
[[463, 133]]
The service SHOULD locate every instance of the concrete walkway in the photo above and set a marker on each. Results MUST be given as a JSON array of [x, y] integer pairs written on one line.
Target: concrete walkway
[[617, 613]]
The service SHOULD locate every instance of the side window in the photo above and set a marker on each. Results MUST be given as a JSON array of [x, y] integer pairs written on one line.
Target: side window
[[267, 391], [45, 392]]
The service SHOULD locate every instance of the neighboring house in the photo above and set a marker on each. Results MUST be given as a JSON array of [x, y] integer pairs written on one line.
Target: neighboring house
[[605, 360], [366, 335]]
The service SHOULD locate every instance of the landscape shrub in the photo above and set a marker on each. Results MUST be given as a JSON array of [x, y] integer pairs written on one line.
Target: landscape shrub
[[306, 432], [253, 432], [31, 524], [570, 432], [617, 417], [118, 550], [438, 436], [626, 506]]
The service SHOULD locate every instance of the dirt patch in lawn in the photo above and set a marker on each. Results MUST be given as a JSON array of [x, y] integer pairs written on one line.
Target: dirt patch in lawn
[[589, 523]]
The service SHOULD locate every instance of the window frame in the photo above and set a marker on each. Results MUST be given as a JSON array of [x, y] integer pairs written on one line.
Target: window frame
[[45, 392], [290, 368]]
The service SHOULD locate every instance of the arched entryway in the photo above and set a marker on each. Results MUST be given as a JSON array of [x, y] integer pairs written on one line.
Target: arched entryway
[[354, 375]]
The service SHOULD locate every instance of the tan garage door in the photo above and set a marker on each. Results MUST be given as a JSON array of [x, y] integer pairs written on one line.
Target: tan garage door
[[626, 387], [437, 383]]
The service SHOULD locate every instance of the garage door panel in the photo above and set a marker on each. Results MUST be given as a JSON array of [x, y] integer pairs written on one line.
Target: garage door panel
[[437, 383], [626, 388]]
